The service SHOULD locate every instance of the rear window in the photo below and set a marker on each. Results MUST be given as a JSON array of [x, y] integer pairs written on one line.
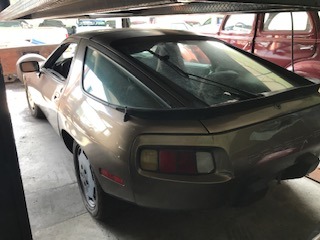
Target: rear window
[[211, 71]]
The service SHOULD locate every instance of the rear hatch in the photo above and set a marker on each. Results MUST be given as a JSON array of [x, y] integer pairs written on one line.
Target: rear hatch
[[271, 137], [263, 136]]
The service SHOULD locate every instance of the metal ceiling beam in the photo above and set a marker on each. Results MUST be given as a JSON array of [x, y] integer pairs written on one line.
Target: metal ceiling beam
[[75, 8], [54, 8], [218, 7]]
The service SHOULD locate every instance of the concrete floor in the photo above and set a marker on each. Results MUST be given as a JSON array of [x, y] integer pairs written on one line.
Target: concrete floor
[[290, 210]]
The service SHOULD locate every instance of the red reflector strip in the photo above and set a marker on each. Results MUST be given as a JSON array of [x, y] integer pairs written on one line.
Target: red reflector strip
[[105, 173], [177, 162], [167, 163]]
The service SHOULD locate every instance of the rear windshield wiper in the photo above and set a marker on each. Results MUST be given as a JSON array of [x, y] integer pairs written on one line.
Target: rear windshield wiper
[[194, 77]]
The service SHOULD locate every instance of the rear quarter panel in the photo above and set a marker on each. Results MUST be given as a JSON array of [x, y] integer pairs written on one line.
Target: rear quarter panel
[[104, 134], [262, 137]]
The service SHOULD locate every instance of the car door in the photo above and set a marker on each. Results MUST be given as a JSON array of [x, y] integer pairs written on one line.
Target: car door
[[53, 78], [274, 37], [238, 30]]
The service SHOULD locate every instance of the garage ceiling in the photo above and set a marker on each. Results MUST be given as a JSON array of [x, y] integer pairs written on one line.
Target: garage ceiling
[[123, 8]]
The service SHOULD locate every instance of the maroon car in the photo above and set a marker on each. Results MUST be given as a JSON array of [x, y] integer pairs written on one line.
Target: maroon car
[[290, 40]]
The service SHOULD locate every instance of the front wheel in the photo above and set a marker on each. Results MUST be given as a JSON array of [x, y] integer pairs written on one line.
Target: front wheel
[[34, 108], [98, 203]]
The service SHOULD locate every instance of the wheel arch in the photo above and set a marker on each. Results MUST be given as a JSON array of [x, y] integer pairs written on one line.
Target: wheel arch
[[307, 68], [68, 140]]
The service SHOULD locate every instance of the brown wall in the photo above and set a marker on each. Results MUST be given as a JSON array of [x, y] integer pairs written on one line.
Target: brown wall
[[9, 57]]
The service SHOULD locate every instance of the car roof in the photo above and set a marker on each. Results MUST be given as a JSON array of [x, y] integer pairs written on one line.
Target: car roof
[[106, 37]]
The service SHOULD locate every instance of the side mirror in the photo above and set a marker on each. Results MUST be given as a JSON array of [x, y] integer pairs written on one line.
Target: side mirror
[[31, 66]]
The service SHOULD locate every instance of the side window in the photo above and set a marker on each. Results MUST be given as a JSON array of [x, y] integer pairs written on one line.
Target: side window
[[61, 62], [111, 83], [282, 21], [207, 22], [239, 23]]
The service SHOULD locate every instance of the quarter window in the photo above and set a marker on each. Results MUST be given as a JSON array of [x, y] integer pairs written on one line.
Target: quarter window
[[282, 21], [111, 83]]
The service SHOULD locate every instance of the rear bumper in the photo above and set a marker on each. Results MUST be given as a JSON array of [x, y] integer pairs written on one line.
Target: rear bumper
[[157, 193], [303, 165], [281, 148], [178, 196]]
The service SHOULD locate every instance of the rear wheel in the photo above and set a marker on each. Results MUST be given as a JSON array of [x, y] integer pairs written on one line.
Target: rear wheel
[[98, 203], [34, 108]]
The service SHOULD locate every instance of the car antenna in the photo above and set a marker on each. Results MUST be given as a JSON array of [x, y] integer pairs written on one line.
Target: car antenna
[[292, 41]]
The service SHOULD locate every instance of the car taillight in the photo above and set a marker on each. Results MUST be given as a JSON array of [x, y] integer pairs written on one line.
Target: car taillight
[[177, 161]]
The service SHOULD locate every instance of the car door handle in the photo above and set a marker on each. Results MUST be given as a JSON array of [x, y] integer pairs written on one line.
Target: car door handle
[[40, 73], [306, 47], [56, 95]]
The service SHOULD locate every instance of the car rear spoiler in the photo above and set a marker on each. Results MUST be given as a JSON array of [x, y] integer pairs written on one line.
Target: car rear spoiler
[[221, 109]]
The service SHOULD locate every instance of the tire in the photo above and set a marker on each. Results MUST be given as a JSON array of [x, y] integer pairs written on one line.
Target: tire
[[34, 108], [98, 203]]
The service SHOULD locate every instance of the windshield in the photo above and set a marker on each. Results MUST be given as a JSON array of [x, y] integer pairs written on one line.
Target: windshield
[[211, 71], [10, 24]]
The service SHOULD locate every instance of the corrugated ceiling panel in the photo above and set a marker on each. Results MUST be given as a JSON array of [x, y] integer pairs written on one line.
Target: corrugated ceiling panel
[[67, 8]]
